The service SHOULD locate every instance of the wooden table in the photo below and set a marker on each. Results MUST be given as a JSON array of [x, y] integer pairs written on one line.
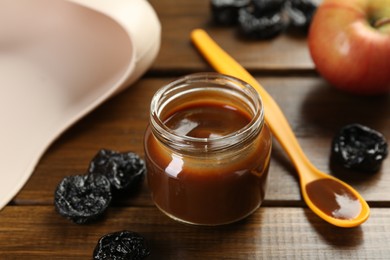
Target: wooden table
[[282, 228]]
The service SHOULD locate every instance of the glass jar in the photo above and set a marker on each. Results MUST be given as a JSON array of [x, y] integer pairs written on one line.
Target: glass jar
[[207, 149]]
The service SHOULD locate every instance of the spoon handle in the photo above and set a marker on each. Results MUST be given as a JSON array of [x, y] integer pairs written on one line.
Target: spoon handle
[[224, 63]]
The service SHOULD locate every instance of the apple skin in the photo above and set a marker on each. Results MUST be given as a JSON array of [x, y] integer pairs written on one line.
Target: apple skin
[[347, 50]]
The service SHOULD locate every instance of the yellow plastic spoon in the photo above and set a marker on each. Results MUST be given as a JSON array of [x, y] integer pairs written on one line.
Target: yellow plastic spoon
[[331, 199]]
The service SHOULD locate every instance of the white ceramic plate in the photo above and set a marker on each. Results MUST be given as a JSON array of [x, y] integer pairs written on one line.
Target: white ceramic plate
[[59, 59]]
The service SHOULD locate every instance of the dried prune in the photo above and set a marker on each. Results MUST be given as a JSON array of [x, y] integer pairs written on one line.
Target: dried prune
[[121, 245], [225, 12], [267, 7], [359, 147], [300, 13], [124, 170], [264, 27], [82, 198]]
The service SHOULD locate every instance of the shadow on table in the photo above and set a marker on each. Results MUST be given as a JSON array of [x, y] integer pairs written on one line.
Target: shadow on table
[[336, 236], [328, 109], [198, 241]]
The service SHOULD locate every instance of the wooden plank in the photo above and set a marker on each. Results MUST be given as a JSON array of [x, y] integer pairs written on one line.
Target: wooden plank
[[178, 18], [315, 111], [270, 233]]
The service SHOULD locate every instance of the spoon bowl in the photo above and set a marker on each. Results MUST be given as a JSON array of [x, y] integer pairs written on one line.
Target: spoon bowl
[[330, 198]]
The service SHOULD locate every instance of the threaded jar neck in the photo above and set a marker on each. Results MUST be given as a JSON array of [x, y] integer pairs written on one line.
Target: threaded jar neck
[[206, 87]]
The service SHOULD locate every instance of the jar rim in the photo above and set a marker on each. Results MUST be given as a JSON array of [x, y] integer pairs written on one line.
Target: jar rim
[[175, 140]]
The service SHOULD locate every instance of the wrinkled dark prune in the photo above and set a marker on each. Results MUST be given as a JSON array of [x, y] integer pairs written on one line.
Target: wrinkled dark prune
[[267, 7], [121, 245], [225, 12], [359, 147], [300, 13], [82, 198], [264, 27], [264, 19], [124, 170]]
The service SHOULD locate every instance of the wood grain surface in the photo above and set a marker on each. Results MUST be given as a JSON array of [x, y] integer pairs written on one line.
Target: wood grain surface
[[282, 228], [270, 233]]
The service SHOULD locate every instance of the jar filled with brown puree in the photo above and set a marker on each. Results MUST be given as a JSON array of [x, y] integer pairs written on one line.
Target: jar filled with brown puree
[[207, 149]]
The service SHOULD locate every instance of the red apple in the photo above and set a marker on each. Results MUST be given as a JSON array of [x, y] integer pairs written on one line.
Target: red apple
[[349, 42]]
